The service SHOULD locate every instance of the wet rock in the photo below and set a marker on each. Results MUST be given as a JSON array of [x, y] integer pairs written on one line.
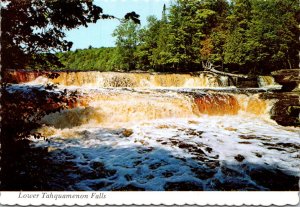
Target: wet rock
[[149, 177], [275, 146], [239, 158], [148, 149], [209, 149], [286, 108], [174, 141], [129, 187], [155, 165], [181, 158], [183, 186], [247, 136], [258, 154], [68, 155], [143, 142], [212, 164], [183, 145], [245, 143], [203, 174], [230, 172], [238, 185], [193, 122], [100, 185], [167, 174], [199, 151], [137, 163], [294, 111], [128, 177], [99, 171], [254, 137], [202, 158], [231, 129], [275, 180], [288, 78], [127, 132], [194, 132], [164, 126], [289, 145], [97, 165]]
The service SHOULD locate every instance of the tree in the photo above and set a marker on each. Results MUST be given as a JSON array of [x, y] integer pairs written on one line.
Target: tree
[[185, 34], [273, 35], [148, 42], [127, 40], [196, 31], [216, 31], [161, 54], [263, 35], [32, 30]]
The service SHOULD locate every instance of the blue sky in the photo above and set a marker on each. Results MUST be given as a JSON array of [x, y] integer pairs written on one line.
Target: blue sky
[[99, 34]]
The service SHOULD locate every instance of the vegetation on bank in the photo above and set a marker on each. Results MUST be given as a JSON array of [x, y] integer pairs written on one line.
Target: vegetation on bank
[[245, 36], [102, 59]]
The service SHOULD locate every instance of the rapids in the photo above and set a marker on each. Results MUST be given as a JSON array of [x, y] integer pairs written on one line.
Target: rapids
[[117, 79], [165, 132]]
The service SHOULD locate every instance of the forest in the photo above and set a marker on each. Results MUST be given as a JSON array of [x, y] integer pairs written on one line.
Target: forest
[[243, 36]]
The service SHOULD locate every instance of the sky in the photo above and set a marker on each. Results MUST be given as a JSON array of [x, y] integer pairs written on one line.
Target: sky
[[99, 34]]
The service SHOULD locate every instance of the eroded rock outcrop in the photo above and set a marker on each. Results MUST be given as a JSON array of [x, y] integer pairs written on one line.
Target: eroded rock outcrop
[[288, 78], [286, 110]]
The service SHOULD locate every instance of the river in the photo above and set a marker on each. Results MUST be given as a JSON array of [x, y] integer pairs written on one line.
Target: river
[[165, 132]]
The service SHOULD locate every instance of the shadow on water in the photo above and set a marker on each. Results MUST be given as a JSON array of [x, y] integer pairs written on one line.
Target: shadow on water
[[142, 168]]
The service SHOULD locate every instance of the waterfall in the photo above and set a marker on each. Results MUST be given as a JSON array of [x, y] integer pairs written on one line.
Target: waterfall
[[116, 79], [267, 82], [160, 131], [119, 108]]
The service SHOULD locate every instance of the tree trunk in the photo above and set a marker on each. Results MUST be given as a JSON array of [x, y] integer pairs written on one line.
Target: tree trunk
[[289, 62], [208, 67], [228, 74]]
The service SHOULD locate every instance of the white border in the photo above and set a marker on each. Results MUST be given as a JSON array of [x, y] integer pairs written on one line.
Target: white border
[[154, 198]]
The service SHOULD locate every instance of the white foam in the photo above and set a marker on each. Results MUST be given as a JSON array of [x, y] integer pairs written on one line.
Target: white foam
[[146, 145], [168, 150]]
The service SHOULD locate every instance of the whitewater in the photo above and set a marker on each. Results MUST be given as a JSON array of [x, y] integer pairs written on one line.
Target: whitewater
[[168, 138]]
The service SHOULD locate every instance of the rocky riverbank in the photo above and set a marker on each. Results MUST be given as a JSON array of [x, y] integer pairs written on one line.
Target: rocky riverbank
[[286, 109]]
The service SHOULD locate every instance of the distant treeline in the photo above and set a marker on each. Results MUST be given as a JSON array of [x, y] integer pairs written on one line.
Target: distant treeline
[[103, 59], [245, 36]]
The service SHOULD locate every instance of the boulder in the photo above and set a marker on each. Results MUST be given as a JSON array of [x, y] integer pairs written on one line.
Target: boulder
[[127, 132], [288, 78], [286, 109]]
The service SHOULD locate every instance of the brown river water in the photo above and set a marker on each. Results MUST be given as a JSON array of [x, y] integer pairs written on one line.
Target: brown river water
[[157, 132]]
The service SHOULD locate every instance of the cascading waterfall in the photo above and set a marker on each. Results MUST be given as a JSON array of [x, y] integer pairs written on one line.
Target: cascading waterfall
[[115, 79], [118, 108], [140, 131]]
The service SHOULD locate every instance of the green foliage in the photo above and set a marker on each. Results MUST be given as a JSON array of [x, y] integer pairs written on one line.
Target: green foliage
[[33, 29], [102, 59], [249, 36], [127, 40], [263, 35]]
